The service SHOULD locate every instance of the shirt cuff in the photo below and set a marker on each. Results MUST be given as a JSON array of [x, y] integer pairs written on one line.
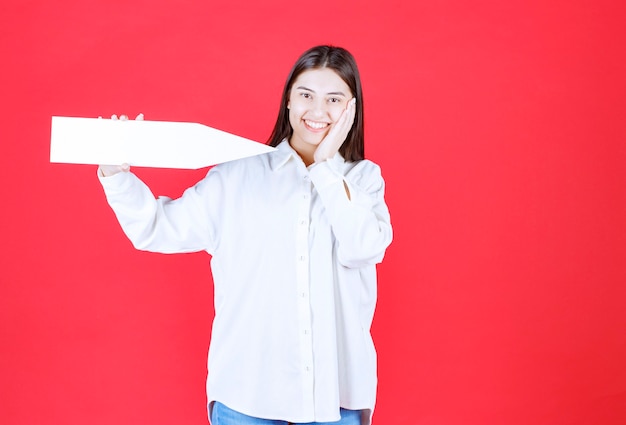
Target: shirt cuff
[[119, 182], [325, 174]]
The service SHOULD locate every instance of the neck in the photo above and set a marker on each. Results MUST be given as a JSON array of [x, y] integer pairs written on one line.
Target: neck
[[306, 153]]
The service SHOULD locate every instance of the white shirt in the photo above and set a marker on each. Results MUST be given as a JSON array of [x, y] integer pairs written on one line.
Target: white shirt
[[294, 269]]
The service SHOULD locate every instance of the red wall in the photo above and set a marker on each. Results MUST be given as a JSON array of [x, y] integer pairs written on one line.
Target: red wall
[[500, 127]]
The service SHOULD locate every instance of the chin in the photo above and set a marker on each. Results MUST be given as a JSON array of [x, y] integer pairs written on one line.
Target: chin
[[312, 140]]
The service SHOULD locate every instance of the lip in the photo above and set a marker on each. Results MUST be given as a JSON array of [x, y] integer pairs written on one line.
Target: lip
[[322, 125]]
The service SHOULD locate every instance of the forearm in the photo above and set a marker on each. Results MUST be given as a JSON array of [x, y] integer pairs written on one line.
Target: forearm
[[357, 212], [151, 224]]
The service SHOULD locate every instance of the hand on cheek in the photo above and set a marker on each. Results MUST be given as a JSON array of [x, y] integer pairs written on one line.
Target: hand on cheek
[[337, 134]]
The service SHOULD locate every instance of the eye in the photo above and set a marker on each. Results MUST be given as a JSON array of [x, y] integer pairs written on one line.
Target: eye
[[306, 95], [334, 100]]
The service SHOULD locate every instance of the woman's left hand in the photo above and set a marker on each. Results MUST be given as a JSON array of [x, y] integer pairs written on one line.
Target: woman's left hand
[[337, 134]]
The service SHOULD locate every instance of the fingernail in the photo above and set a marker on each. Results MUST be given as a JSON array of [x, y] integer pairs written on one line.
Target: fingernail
[[113, 117]]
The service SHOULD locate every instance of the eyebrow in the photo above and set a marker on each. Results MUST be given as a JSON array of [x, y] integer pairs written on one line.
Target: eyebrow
[[334, 93]]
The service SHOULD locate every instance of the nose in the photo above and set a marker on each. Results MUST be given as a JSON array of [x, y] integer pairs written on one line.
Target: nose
[[319, 108]]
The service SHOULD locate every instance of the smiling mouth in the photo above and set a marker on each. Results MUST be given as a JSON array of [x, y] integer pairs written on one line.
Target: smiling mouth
[[316, 125]]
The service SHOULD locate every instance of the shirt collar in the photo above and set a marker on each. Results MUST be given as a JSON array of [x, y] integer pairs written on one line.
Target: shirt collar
[[284, 152]]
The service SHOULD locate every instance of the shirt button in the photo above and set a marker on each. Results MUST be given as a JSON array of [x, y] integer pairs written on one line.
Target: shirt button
[[302, 222], [302, 258]]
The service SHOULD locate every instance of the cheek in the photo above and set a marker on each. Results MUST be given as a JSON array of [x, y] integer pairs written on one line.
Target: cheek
[[293, 116], [335, 111], [296, 110]]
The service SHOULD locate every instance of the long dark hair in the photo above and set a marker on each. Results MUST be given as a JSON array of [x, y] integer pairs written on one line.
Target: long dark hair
[[342, 62]]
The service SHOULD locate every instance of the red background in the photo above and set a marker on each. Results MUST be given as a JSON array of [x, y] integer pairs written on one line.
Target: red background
[[499, 126]]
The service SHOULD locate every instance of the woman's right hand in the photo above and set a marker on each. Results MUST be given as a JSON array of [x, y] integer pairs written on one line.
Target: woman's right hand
[[110, 170]]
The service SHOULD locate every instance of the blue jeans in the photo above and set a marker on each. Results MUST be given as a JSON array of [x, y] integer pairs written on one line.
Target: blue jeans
[[222, 415]]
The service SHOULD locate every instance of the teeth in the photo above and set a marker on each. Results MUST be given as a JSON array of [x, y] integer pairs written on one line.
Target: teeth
[[315, 125]]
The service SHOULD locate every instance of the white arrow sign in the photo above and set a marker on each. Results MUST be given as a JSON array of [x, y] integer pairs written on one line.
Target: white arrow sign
[[161, 144]]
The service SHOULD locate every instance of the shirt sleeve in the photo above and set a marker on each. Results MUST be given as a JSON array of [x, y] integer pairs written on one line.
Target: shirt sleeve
[[360, 222], [161, 224]]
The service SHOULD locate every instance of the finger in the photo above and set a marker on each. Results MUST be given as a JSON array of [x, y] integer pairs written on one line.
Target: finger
[[351, 112], [352, 106], [123, 117], [139, 117], [113, 117], [345, 119]]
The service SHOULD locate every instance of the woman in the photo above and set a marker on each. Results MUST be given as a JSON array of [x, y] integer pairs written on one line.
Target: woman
[[295, 236]]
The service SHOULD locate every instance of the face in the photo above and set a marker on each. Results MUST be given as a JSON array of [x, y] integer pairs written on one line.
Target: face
[[317, 99]]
